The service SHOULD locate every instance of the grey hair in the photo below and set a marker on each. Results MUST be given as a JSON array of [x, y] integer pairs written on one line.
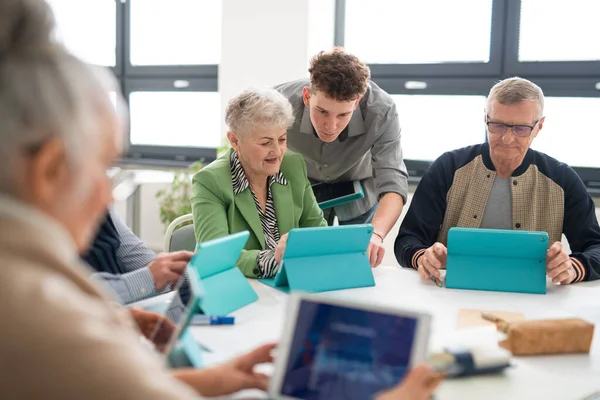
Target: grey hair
[[515, 90], [45, 92], [258, 109]]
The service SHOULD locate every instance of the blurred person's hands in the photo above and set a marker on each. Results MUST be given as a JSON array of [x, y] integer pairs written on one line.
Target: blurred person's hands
[[153, 324], [233, 376], [419, 384]]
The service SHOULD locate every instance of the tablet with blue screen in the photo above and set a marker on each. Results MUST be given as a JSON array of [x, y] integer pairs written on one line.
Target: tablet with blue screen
[[336, 349]]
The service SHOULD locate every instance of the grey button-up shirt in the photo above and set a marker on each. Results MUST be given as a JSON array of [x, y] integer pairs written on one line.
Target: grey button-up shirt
[[368, 150]]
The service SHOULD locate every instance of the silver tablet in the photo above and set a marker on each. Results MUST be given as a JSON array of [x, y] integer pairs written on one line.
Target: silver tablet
[[338, 349]]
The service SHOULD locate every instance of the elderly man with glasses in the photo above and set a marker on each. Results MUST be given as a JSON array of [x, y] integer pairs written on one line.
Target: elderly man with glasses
[[503, 184]]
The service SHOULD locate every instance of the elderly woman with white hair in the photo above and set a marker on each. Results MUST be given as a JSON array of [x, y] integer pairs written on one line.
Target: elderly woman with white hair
[[256, 186]]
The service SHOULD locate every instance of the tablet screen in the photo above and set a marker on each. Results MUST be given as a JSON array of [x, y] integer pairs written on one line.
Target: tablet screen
[[329, 191], [338, 352]]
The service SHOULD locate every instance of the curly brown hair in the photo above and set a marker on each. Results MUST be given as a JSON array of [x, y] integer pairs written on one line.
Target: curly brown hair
[[341, 76]]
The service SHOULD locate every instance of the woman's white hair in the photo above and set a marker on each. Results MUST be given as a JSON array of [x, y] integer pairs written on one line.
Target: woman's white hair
[[45, 92], [258, 109]]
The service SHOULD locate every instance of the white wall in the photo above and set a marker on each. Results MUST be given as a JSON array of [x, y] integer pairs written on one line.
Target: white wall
[[264, 42]]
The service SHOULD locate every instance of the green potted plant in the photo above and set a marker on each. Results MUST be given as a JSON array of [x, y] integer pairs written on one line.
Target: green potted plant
[[174, 200]]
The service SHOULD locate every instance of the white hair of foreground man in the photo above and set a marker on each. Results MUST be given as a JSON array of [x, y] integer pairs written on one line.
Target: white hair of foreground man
[[258, 109], [516, 90], [45, 92]]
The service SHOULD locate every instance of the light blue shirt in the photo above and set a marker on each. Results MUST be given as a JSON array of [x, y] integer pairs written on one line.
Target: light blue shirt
[[136, 283]]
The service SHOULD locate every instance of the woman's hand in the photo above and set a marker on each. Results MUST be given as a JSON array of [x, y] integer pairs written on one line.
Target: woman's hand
[[280, 249]]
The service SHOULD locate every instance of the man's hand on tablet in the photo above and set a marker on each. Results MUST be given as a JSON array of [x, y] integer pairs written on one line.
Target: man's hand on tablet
[[432, 261], [168, 267], [419, 384]]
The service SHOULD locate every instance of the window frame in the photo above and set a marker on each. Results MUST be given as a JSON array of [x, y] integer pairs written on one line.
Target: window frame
[[201, 78], [466, 69], [172, 71], [166, 155]]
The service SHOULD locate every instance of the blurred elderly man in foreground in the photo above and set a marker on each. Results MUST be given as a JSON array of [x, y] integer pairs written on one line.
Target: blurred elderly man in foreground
[[62, 338], [503, 184]]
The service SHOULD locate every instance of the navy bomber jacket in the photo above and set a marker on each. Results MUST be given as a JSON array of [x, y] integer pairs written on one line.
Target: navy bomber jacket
[[547, 195]]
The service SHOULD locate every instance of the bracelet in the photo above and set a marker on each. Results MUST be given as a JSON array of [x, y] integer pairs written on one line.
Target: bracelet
[[377, 234]]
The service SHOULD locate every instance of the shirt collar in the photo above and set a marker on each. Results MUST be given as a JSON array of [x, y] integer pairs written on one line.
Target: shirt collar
[[238, 176], [355, 127]]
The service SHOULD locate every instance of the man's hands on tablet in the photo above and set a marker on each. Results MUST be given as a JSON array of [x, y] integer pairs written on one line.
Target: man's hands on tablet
[[419, 384]]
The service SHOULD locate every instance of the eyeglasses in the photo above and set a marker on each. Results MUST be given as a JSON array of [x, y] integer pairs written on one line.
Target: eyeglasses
[[517, 130]]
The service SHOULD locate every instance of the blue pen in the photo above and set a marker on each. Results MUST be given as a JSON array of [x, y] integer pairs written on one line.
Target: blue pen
[[200, 319]]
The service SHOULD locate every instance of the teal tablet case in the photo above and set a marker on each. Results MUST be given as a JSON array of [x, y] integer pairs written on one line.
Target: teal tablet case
[[325, 258], [187, 352], [497, 260], [225, 287], [343, 200]]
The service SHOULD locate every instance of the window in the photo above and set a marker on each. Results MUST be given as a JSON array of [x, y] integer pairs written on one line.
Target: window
[[182, 119], [559, 31], [438, 59], [556, 39], [408, 32], [88, 29], [432, 125], [171, 77], [175, 32], [569, 125], [166, 56]]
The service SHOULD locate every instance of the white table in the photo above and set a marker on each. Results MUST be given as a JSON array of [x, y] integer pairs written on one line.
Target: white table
[[541, 377]]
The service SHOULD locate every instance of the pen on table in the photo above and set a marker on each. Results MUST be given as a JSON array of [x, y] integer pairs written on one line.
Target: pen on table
[[435, 280], [212, 320], [502, 324]]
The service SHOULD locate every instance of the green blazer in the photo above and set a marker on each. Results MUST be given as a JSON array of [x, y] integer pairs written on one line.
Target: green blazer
[[218, 212]]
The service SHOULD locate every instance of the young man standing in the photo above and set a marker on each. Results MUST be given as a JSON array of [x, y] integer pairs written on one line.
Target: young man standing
[[347, 129]]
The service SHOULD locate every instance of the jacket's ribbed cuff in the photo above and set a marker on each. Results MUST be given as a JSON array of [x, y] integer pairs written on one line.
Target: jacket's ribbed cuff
[[415, 258], [579, 270]]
